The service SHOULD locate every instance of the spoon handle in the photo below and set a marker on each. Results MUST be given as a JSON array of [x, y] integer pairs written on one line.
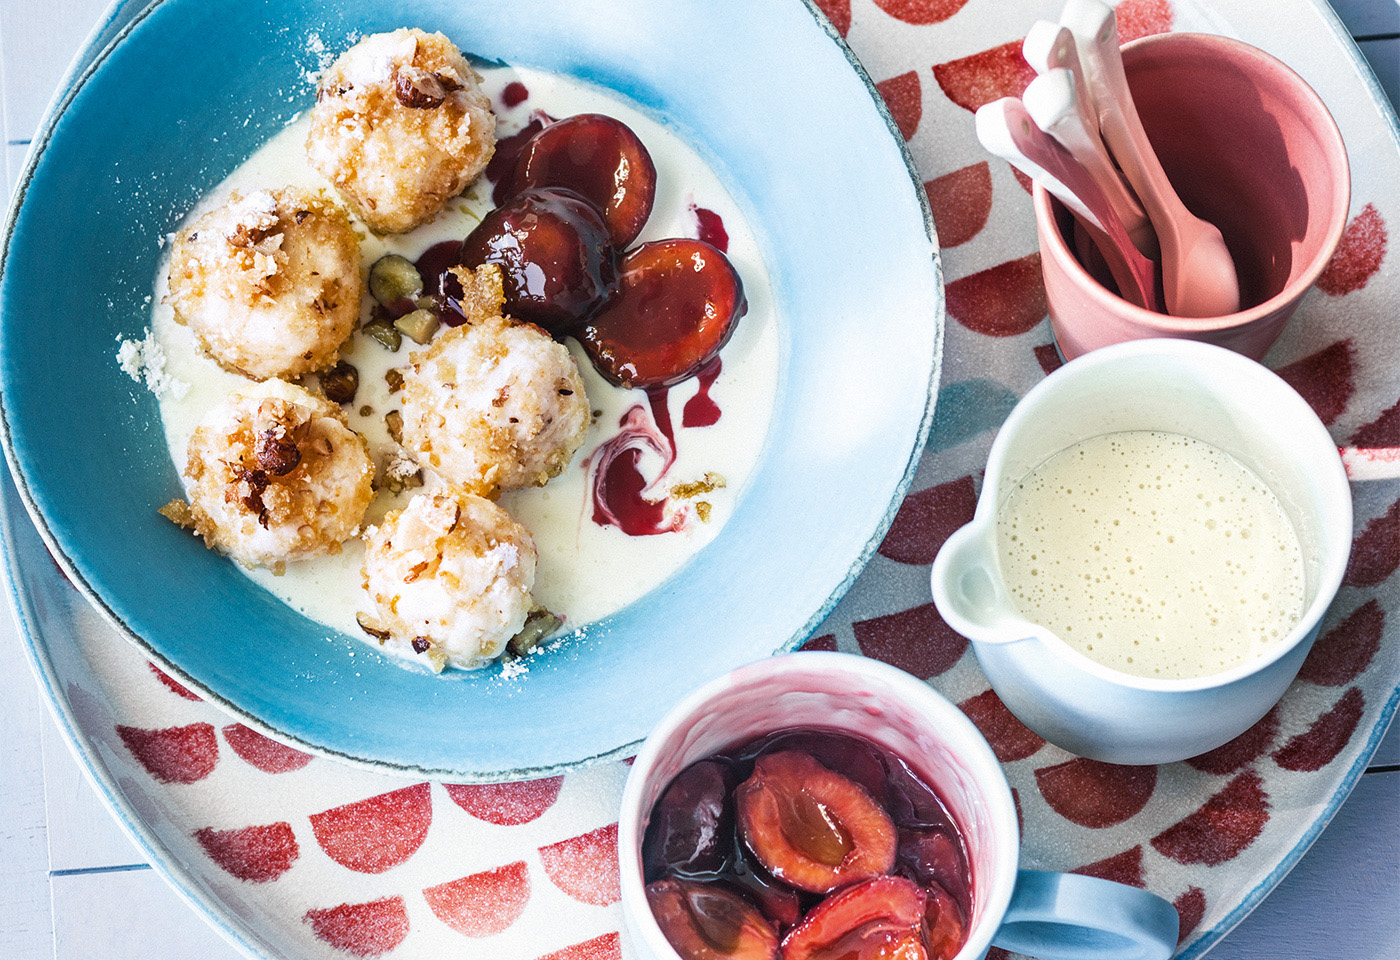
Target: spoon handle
[[1095, 31], [1007, 130], [1052, 102], [1049, 46]]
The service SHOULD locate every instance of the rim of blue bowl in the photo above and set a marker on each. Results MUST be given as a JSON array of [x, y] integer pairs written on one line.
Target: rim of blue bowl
[[72, 84]]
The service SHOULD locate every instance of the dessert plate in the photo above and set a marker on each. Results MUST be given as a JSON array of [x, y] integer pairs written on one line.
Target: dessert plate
[[797, 133], [293, 856]]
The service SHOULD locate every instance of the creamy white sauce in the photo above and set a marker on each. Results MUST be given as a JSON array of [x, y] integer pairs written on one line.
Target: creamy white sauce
[[1152, 553], [585, 571]]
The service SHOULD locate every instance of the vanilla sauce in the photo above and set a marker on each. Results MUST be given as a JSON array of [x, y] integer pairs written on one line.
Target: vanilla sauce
[[1152, 553]]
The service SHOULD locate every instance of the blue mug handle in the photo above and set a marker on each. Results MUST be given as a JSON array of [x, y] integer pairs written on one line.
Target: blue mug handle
[[1064, 916]]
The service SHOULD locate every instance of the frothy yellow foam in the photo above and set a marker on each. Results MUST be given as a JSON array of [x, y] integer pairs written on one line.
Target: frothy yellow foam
[[1152, 553]]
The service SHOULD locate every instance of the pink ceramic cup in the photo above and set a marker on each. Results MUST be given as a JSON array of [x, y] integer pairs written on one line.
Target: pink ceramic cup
[[1249, 147]]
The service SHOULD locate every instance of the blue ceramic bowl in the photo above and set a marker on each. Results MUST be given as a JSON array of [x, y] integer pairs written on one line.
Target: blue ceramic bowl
[[766, 93]]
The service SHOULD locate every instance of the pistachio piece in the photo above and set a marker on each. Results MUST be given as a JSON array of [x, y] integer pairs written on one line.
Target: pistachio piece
[[385, 332], [419, 326], [393, 279], [538, 625]]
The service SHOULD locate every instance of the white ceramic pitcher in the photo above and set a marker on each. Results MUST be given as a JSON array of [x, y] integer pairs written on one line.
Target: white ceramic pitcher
[[1173, 386]]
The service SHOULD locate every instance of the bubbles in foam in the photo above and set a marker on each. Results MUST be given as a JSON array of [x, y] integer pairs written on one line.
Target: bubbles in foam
[[1152, 553]]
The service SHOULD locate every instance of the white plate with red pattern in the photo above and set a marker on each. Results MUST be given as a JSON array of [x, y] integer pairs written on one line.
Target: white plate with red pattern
[[291, 856]]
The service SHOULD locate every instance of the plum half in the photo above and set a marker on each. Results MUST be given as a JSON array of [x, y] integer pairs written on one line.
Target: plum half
[[944, 928], [678, 303], [880, 919], [691, 826], [706, 922], [811, 827], [557, 261], [598, 157]]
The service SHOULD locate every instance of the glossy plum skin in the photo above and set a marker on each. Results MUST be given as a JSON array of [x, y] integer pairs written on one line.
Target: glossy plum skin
[[601, 159], [678, 304], [707, 922], [653, 319], [692, 824], [557, 261], [945, 930], [500, 171]]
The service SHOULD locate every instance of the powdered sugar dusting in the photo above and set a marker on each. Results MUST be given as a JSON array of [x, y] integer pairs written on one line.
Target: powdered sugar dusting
[[144, 361], [316, 47]]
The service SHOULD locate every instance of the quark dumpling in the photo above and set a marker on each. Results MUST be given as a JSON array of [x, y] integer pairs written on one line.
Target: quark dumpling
[[269, 283], [493, 404], [400, 127], [449, 578], [276, 476]]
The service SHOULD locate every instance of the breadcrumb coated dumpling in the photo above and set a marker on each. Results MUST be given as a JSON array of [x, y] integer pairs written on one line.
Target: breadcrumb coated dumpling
[[400, 127], [494, 404], [449, 579], [269, 283], [276, 476]]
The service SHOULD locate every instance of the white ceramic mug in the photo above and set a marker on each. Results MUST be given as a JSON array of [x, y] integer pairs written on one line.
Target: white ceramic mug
[[1173, 386], [1052, 915]]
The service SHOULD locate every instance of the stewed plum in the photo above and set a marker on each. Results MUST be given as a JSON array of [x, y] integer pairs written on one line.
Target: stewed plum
[[677, 306], [944, 929], [690, 828], [843, 850], [811, 827], [777, 901], [555, 255], [598, 157], [879, 918], [571, 195], [502, 166], [706, 922], [931, 855]]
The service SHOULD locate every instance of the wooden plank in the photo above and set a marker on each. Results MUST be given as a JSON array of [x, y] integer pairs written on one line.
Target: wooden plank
[[129, 915], [83, 835], [1388, 753], [1384, 57], [26, 920]]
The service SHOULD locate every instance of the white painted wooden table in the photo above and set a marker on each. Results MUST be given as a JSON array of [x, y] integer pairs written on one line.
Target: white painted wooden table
[[72, 886]]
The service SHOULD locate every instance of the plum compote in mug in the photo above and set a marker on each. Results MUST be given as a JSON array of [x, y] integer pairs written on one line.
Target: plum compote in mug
[[1224, 518], [1056, 916]]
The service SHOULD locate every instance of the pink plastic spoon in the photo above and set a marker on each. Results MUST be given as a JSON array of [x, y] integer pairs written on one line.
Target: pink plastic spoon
[[1061, 108], [1007, 130], [1198, 273]]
